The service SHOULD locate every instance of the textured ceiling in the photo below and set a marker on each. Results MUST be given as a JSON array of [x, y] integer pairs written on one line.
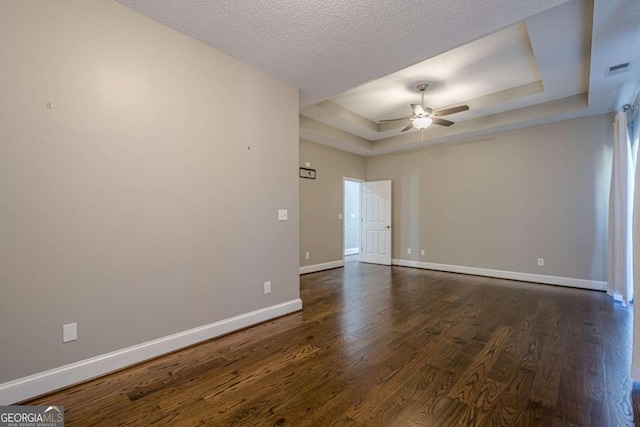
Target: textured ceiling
[[326, 47], [515, 63]]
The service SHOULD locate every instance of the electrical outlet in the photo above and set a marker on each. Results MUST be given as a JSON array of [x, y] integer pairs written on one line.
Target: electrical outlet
[[339, 216], [307, 164], [267, 287], [306, 255], [69, 332], [540, 262], [408, 251], [422, 252], [282, 215]]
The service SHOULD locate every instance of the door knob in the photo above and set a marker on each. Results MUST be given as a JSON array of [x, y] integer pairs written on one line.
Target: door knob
[[388, 226]]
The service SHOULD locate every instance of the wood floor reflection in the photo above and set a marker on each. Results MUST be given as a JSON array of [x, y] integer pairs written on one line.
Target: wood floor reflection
[[390, 346]]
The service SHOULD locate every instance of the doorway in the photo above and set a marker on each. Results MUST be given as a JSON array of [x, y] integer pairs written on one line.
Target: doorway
[[351, 218]]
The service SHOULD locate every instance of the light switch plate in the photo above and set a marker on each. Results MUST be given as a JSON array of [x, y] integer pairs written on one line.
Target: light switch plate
[[69, 332], [282, 215], [339, 216]]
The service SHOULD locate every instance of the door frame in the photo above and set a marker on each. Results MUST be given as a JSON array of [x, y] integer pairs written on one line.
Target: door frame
[[344, 215]]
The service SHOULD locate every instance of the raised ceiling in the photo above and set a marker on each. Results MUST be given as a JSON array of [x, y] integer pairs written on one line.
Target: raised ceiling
[[515, 63], [482, 73], [497, 62]]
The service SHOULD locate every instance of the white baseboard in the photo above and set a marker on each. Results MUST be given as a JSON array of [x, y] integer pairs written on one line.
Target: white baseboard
[[45, 382], [511, 275], [320, 267], [352, 251]]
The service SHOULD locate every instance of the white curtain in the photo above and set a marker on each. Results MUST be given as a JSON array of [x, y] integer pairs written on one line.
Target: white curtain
[[634, 198], [635, 356], [620, 285]]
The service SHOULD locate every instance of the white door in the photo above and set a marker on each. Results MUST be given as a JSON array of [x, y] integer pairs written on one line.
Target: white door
[[375, 213]]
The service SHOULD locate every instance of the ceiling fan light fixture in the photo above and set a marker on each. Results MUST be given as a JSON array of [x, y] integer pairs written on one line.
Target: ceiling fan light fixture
[[422, 122], [423, 117]]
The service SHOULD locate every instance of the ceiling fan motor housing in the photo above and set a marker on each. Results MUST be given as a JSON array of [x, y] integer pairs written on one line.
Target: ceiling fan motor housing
[[423, 116]]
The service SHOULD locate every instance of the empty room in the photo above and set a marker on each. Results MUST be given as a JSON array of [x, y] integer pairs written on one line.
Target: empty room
[[251, 213]]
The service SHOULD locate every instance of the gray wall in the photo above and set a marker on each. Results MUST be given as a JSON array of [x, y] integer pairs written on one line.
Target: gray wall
[[505, 200], [321, 232], [133, 206], [351, 215]]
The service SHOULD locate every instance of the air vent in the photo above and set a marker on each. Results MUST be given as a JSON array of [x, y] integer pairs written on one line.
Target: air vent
[[618, 69]]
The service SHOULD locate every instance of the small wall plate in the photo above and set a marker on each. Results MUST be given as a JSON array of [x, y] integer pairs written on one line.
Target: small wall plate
[[307, 173]]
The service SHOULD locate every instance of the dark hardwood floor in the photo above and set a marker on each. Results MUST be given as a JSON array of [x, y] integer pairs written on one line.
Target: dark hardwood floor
[[390, 346]]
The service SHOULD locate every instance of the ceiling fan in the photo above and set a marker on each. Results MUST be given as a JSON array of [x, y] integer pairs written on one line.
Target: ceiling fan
[[423, 117]]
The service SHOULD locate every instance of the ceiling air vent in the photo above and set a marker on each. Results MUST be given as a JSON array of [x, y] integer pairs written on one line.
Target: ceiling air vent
[[617, 69]]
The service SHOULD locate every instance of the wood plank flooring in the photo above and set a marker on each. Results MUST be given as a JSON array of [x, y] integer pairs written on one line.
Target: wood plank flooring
[[390, 346]]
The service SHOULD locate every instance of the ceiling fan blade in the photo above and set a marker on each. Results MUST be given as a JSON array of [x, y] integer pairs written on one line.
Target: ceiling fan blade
[[418, 110], [453, 110], [393, 120], [441, 122], [407, 127]]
